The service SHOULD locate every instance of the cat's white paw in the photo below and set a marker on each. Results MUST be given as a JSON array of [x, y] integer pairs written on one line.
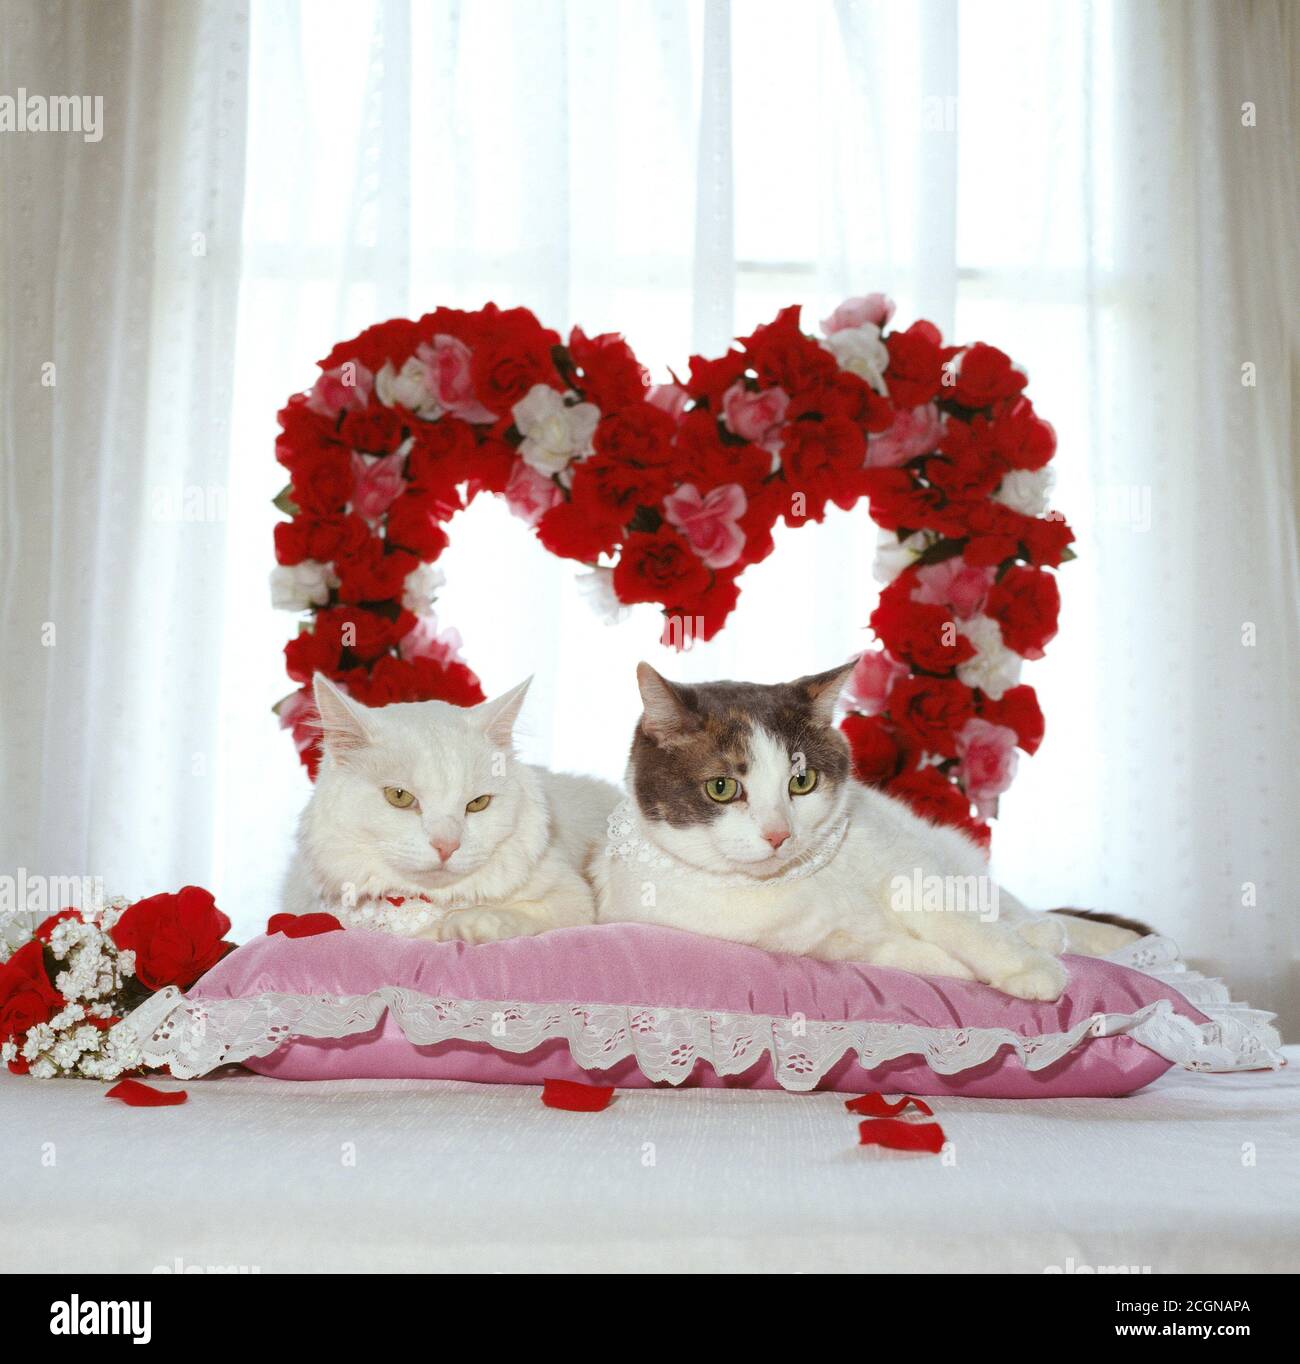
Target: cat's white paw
[[1044, 980], [482, 925], [921, 958], [1045, 933]]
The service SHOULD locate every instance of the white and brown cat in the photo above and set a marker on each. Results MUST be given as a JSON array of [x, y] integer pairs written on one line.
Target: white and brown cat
[[745, 823], [426, 802]]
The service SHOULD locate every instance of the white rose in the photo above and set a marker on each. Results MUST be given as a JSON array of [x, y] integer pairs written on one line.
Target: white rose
[[421, 588], [554, 433], [597, 587], [894, 555], [994, 667], [861, 351], [295, 587], [408, 388], [1026, 490]]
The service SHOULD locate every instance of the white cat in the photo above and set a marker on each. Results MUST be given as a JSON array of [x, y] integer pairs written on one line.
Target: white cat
[[745, 823], [426, 803]]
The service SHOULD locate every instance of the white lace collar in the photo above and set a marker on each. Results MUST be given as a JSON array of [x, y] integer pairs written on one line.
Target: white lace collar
[[628, 843]]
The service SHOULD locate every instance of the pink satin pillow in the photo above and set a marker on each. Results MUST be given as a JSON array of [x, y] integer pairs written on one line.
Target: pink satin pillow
[[633, 1005]]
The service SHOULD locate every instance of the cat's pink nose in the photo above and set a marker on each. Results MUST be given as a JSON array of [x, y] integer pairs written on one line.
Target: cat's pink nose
[[444, 847], [776, 837]]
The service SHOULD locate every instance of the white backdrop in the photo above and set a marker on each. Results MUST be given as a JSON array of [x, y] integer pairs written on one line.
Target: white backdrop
[[1076, 183]]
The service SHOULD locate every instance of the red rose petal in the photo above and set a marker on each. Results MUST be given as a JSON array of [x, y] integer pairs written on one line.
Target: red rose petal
[[877, 1106], [133, 1093], [898, 1135], [576, 1096], [302, 925]]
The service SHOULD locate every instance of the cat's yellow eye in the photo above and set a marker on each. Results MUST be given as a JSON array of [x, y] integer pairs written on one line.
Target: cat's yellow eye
[[722, 789], [803, 782], [477, 804], [399, 797]]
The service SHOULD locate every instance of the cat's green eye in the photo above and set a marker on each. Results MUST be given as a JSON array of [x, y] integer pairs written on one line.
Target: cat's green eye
[[477, 804], [722, 789], [803, 782], [399, 797]]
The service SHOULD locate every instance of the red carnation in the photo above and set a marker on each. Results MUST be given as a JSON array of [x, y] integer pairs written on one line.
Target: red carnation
[[324, 540], [932, 796], [1045, 538], [636, 435], [710, 379], [1025, 602], [930, 711], [372, 575], [413, 524], [442, 456], [878, 755], [513, 355], [985, 375], [782, 354], [917, 633], [1018, 710], [26, 995], [394, 341], [572, 533], [375, 430], [311, 652], [365, 633], [660, 567], [817, 451], [612, 376], [916, 359], [696, 619], [1022, 437], [175, 938], [322, 481]]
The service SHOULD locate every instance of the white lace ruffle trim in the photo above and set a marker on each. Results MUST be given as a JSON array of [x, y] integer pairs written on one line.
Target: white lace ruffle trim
[[193, 1036]]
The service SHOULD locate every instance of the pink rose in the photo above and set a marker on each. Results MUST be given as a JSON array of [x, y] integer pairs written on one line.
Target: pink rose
[[449, 378], [857, 312], [344, 389], [955, 584], [916, 431], [872, 680], [988, 759], [670, 398], [709, 522], [379, 482], [754, 416], [425, 641], [531, 494]]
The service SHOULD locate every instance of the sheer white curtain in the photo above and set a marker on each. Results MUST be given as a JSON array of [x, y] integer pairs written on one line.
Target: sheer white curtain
[[1078, 184], [119, 268]]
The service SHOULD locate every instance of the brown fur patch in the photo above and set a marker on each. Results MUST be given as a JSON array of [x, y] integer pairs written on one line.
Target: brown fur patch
[[711, 739]]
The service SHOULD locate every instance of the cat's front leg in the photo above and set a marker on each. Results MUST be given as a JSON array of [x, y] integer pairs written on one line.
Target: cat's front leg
[[485, 924], [995, 952]]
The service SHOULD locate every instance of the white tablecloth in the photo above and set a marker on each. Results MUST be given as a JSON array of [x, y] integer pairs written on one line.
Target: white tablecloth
[[1198, 1172]]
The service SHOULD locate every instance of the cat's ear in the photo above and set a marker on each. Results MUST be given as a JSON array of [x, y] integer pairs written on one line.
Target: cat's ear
[[496, 718], [342, 720], [665, 713], [822, 690]]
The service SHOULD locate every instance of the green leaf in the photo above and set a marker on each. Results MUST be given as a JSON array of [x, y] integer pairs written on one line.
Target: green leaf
[[283, 502]]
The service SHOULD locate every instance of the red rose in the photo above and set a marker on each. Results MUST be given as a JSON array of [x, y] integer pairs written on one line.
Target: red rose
[[986, 374], [932, 796], [322, 483], [1025, 602], [373, 575], [26, 995], [1019, 710], [175, 938], [916, 358], [877, 753], [917, 633], [660, 567], [571, 532], [413, 524], [325, 541], [930, 711], [612, 376], [782, 354]]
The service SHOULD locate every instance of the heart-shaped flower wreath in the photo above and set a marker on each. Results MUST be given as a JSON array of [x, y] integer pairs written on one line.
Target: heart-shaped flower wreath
[[668, 492]]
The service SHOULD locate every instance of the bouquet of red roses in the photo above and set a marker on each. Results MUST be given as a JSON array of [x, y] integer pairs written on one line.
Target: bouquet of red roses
[[82, 970]]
